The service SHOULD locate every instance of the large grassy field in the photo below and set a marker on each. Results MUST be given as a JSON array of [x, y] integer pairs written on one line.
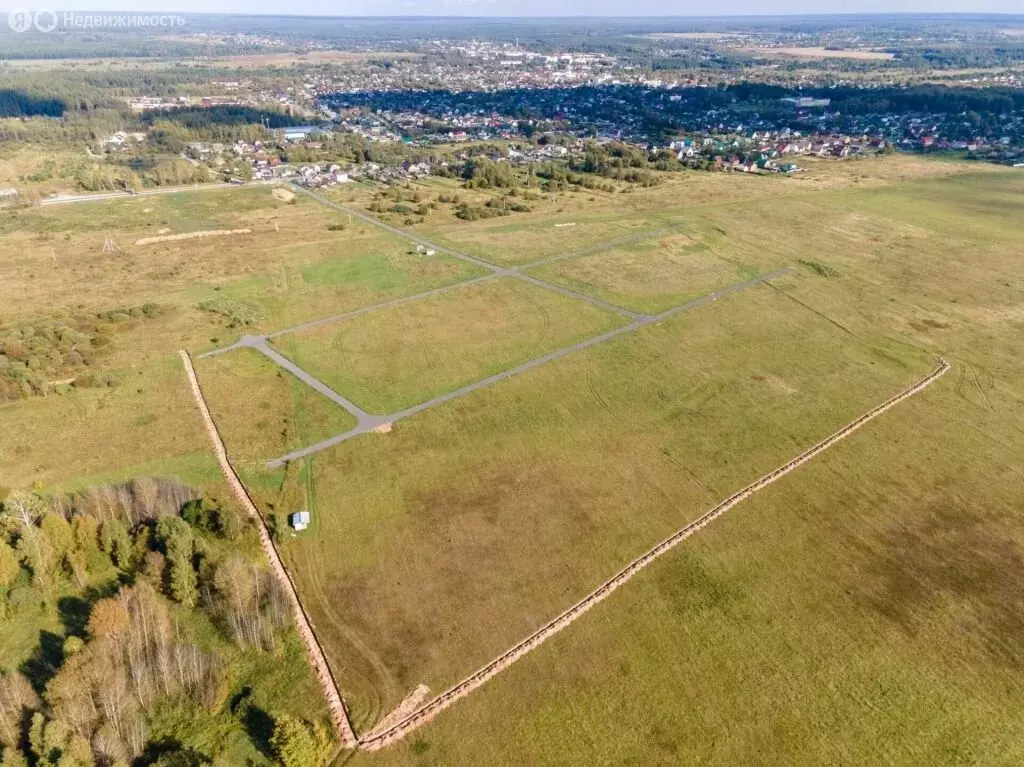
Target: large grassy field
[[653, 275], [501, 509], [291, 266], [582, 218], [148, 424], [389, 360], [514, 502], [866, 609]]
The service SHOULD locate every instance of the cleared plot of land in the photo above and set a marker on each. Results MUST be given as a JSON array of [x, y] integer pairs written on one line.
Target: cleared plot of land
[[293, 266], [146, 425], [261, 411], [395, 358], [649, 276], [814, 52], [503, 508], [514, 241], [861, 611]]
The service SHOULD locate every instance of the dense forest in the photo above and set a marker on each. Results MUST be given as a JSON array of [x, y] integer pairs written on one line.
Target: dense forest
[[149, 621]]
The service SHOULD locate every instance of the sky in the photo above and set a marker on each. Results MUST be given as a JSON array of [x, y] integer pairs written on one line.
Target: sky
[[505, 8]]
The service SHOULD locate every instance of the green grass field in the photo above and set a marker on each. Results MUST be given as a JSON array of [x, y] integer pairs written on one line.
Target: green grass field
[[147, 424], [509, 241], [290, 268], [555, 480], [388, 360], [652, 275], [863, 610], [261, 410]]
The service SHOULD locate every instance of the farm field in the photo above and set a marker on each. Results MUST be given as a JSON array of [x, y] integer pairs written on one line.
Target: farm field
[[859, 610], [862, 611], [440, 504], [391, 359]]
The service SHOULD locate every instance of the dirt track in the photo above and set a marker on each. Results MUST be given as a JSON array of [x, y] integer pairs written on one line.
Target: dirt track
[[191, 236], [315, 653]]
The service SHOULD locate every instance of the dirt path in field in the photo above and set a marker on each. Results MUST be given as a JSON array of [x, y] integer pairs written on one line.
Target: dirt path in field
[[315, 653], [426, 713]]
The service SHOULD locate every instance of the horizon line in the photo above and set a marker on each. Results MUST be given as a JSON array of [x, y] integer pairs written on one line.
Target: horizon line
[[569, 17]]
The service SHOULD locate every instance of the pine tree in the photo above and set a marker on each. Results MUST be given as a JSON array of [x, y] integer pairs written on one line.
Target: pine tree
[[176, 536], [183, 580]]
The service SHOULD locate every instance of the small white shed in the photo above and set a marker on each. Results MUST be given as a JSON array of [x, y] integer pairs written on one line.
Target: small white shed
[[299, 520]]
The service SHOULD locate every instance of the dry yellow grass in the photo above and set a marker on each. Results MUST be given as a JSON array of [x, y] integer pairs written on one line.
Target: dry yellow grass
[[815, 52]]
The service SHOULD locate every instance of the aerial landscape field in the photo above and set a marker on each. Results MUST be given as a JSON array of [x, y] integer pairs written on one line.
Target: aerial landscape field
[[421, 396]]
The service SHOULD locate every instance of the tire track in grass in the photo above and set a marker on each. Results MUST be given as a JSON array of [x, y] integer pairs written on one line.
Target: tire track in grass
[[376, 697], [979, 387]]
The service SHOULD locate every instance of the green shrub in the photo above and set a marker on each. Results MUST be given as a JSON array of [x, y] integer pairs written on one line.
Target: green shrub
[[819, 267], [237, 311]]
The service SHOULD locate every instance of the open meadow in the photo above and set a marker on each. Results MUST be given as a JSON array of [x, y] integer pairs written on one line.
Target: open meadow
[[504, 507], [288, 260], [267, 261], [395, 358], [510, 504], [865, 609], [657, 273]]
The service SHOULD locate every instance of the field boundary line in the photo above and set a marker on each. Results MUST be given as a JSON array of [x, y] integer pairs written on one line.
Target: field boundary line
[[446, 699], [314, 650]]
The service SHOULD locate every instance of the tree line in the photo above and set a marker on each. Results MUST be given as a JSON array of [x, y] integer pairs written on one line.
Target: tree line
[[136, 570]]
